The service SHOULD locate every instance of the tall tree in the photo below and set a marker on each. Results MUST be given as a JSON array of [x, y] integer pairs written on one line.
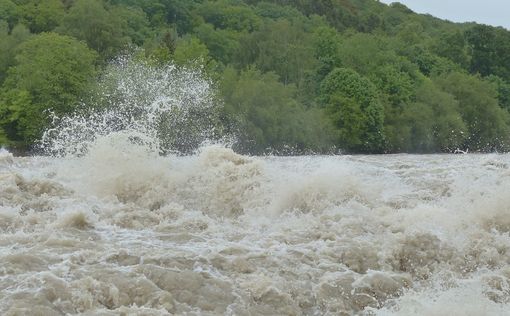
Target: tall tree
[[9, 44], [51, 72], [267, 116], [9, 12], [283, 47], [353, 103], [42, 15], [89, 20], [490, 48], [487, 123], [453, 45]]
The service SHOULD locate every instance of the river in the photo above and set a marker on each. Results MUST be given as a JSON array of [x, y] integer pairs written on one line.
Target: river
[[120, 231]]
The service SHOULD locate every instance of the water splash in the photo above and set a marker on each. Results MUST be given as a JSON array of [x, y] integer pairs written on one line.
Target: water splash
[[219, 233], [164, 108]]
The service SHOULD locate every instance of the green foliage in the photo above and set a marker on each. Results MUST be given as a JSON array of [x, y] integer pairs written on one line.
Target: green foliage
[[343, 91], [396, 85], [9, 12], [366, 53], [430, 64], [88, 20], [503, 90], [225, 14], [16, 112], [42, 15], [280, 46], [268, 117], [175, 13], [490, 50], [453, 45], [3, 138], [50, 73], [341, 14], [134, 22], [326, 43], [191, 52], [431, 123], [410, 33], [8, 45], [487, 123], [303, 75], [274, 11], [223, 45], [162, 45]]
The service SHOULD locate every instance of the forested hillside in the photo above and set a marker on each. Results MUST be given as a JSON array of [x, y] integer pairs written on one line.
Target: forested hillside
[[294, 75]]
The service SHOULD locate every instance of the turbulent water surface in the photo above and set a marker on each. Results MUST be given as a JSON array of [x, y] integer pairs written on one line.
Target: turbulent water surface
[[120, 231]]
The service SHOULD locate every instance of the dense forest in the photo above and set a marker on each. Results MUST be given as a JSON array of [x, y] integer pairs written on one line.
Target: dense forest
[[293, 75]]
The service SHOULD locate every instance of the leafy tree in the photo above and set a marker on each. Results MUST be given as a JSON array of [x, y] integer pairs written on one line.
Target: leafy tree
[[412, 130], [428, 63], [226, 15], [8, 45], [347, 115], [366, 53], [42, 15], [344, 90], [51, 72], [3, 137], [341, 14], [453, 45], [503, 90], [396, 85], [88, 20], [326, 43], [282, 47], [447, 126], [486, 122], [429, 124], [268, 117], [393, 17], [490, 48], [165, 13], [410, 33], [369, 22], [222, 44], [192, 52], [17, 117], [9, 12], [133, 21], [162, 45], [274, 11]]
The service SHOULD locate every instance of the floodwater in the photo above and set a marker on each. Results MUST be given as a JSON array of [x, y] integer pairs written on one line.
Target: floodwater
[[120, 231]]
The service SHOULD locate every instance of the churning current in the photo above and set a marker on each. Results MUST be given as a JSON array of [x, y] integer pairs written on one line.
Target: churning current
[[120, 231]]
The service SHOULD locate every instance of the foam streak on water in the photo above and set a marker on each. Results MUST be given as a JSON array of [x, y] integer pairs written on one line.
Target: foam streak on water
[[124, 232]]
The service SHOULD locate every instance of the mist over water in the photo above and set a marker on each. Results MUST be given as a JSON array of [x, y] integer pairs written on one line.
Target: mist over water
[[109, 226]]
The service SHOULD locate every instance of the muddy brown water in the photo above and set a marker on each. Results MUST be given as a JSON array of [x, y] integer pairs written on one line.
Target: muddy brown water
[[124, 232]]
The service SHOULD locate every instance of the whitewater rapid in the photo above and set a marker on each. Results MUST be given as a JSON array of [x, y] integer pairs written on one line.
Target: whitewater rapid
[[120, 231]]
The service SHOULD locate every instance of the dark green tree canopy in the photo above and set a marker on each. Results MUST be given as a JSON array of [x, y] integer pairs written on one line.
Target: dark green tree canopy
[[305, 75], [51, 72], [355, 101], [103, 31]]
